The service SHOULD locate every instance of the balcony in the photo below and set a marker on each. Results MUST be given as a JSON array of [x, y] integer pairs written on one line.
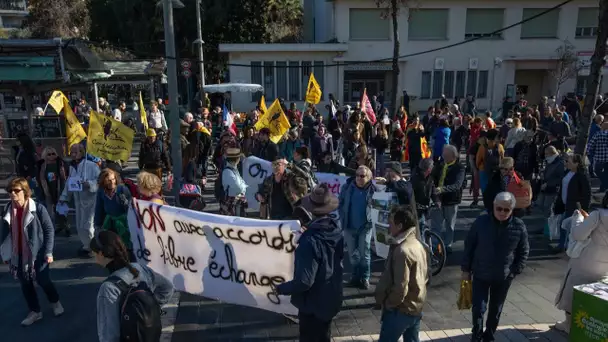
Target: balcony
[[13, 5]]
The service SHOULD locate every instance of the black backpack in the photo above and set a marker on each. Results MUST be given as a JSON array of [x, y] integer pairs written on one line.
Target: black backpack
[[139, 312], [218, 189]]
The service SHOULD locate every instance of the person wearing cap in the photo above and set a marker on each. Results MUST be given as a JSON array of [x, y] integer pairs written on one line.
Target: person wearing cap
[[266, 149], [233, 184], [402, 288], [153, 155], [355, 195], [316, 288], [276, 194]]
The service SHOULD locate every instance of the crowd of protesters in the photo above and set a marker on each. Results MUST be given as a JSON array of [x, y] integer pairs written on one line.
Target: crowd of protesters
[[519, 167]]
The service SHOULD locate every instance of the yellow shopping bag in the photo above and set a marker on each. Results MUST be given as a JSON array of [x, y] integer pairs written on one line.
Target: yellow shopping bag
[[465, 298]]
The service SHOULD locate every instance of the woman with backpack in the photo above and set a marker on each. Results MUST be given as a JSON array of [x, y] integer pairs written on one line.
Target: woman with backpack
[[118, 317], [113, 199], [26, 243]]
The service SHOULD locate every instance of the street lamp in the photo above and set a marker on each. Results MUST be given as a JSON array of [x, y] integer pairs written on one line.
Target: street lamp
[[497, 64], [176, 152]]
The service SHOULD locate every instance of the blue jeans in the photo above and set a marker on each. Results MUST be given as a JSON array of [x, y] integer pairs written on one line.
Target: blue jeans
[[444, 216], [396, 324], [359, 246], [601, 171]]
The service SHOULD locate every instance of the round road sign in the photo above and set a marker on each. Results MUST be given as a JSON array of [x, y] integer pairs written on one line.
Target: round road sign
[[186, 73], [186, 64]]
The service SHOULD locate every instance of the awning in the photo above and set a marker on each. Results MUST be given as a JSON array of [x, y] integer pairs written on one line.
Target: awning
[[27, 69], [86, 76]]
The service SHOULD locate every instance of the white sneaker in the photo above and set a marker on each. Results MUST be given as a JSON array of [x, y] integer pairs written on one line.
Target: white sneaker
[[57, 309], [31, 318]]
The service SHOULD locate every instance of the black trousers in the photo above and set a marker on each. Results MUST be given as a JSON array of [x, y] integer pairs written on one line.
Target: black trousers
[[497, 293], [313, 329], [43, 278]]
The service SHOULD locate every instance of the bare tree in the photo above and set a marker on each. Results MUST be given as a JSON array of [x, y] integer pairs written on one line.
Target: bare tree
[[567, 66], [392, 8], [598, 60]]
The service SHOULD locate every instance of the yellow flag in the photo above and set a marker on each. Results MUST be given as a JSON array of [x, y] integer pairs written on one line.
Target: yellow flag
[[263, 107], [74, 131], [56, 101], [108, 138], [275, 120], [313, 91], [142, 112]]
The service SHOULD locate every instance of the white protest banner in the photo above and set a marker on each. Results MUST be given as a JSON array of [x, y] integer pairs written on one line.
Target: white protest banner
[[231, 259], [382, 202], [255, 170], [334, 182]]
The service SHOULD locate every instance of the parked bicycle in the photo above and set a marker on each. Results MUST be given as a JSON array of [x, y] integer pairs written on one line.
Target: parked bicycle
[[436, 246]]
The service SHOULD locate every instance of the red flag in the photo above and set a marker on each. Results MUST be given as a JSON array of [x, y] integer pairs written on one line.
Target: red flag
[[367, 107]]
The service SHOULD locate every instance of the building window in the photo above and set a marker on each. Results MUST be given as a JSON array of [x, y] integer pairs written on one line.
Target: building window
[[320, 76], [448, 86], [425, 87], [256, 78], [294, 81], [544, 26], [482, 85], [460, 83], [368, 24], [471, 82], [587, 22], [282, 80], [428, 24], [437, 84], [481, 22], [269, 80], [306, 69]]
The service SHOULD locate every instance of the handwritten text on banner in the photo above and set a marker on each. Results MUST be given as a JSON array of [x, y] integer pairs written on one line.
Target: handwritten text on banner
[[231, 259]]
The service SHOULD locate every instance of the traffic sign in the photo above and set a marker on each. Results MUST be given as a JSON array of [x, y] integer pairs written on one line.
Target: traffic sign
[[186, 64], [186, 73]]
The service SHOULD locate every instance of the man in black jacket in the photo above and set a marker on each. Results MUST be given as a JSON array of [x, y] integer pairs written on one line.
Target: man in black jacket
[[448, 177], [266, 149], [495, 251], [422, 183]]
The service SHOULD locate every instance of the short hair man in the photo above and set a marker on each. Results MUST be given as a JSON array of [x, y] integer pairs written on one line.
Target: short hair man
[[401, 290], [495, 251]]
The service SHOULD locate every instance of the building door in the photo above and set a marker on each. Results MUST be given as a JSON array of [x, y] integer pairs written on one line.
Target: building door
[[356, 88]]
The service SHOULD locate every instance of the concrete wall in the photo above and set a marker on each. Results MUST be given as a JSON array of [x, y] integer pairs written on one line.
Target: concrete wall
[[516, 53]]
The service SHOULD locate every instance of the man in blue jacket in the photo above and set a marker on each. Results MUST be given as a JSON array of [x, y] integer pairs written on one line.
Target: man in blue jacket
[[316, 288], [495, 252]]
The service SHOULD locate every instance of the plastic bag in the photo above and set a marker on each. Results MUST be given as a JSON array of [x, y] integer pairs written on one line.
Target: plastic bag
[[465, 298], [555, 223]]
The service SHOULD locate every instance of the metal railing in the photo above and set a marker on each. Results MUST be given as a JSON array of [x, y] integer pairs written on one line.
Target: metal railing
[[13, 5]]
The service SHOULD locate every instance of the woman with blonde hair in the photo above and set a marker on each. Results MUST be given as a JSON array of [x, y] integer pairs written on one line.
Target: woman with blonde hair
[[113, 200], [52, 175], [27, 239], [149, 187], [515, 135]]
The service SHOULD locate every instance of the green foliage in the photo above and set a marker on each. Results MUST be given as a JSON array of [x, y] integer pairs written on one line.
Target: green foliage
[[58, 18]]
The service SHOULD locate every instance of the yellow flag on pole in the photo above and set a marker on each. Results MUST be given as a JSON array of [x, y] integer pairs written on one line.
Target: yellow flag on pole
[[108, 138], [74, 131], [275, 120], [56, 101], [142, 112], [313, 91], [263, 107]]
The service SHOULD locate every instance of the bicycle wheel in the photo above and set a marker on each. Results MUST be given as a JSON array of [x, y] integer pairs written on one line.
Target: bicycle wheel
[[438, 252]]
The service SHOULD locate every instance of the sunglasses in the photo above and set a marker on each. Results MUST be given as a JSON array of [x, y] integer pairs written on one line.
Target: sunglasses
[[361, 176], [506, 168], [502, 210], [51, 154], [10, 191]]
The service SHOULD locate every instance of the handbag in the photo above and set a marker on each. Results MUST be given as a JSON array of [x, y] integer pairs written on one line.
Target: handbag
[[6, 249], [522, 190], [575, 248]]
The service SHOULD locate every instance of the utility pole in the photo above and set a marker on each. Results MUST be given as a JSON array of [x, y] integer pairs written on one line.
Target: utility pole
[[176, 152], [598, 60], [200, 42]]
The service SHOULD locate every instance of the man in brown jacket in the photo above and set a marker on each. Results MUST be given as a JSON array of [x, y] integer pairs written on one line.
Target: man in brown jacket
[[401, 290]]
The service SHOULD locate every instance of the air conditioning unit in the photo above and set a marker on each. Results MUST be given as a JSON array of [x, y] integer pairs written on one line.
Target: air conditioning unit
[[473, 63], [439, 63]]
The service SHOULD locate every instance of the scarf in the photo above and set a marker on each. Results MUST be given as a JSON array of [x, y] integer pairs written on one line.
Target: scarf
[[22, 261], [444, 172]]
